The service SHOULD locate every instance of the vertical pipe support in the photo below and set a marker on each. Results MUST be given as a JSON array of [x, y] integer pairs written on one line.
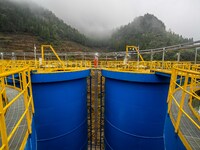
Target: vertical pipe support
[[151, 55], [178, 56], [101, 110], [196, 51], [35, 55], [163, 58], [90, 101], [96, 106]]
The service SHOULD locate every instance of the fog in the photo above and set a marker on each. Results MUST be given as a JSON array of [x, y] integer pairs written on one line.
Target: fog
[[99, 17]]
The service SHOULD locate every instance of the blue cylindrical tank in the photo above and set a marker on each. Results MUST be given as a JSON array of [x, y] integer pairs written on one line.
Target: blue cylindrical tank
[[60, 101], [172, 140], [135, 110]]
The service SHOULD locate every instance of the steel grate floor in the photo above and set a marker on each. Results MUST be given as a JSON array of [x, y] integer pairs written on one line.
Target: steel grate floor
[[12, 116], [189, 130]]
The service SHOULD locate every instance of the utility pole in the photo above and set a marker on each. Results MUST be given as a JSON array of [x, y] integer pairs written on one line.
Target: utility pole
[[1, 56], [116, 56], [138, 56], [24, 56], [151, 55], [178, 56], [163, 58], [195, 61], [13, 56], [34, 49]]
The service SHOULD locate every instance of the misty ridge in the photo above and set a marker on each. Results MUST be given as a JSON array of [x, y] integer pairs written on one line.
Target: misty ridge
[[20, 16]]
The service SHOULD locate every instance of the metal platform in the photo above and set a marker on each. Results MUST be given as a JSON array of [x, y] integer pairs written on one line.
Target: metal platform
[[188, 129]]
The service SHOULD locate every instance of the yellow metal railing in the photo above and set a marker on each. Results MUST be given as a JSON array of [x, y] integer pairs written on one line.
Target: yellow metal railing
[[136, 48], [47, 66], [142, 66], [20, 81], [71, 65], [184, 81], [195, 87], [185, 77]]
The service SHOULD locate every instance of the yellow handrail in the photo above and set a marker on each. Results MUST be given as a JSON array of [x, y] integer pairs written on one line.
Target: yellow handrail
[[70, 65], [49, 46], [136, 49], [25, 90], [184, 81]]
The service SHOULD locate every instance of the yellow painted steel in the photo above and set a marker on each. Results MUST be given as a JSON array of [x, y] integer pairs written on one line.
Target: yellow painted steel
[[4, 136], [45, 66], [24, 90], [49, 46], [195, 87], [180, 71], [134, 48], [181, 104], [184, 79], [72, 65]]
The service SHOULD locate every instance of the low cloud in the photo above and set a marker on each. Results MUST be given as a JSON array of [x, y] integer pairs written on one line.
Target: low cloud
[[99, 17]]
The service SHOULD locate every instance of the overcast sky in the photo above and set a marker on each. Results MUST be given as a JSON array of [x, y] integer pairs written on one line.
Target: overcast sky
[[100, 16]]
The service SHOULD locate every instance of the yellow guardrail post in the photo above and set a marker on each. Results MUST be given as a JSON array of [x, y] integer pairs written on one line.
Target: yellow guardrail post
[[25, 88], [172, 88], [4, 136], [30, 90], [13, 79], [20, 81], [181, 103]]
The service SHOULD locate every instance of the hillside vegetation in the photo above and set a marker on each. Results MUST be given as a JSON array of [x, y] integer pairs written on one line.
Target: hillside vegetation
[[23, 23], [146, 31], [27, 17]]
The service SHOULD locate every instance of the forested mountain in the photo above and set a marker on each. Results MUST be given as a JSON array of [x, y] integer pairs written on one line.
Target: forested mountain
[[27, 17], [146, 31]]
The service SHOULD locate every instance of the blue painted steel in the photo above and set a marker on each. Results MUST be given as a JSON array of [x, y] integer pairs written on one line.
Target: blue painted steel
[[9, 80], [61, 110], [163, 74], [31, 143], [172, 140], [135, 110]]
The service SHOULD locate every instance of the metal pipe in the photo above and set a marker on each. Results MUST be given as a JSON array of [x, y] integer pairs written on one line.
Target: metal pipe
[[163, 57], [195, 61], [151, 55], [1, 56], [35, 53], [178, 56], [13, 56]]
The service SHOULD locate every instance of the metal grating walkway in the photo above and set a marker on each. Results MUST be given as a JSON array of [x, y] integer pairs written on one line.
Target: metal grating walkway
[[188, 129], [12, 116]]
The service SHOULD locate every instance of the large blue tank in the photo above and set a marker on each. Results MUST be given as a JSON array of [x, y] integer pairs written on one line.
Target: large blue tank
[[60, 101], [31, 143], [135, 110], [172, 140]]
